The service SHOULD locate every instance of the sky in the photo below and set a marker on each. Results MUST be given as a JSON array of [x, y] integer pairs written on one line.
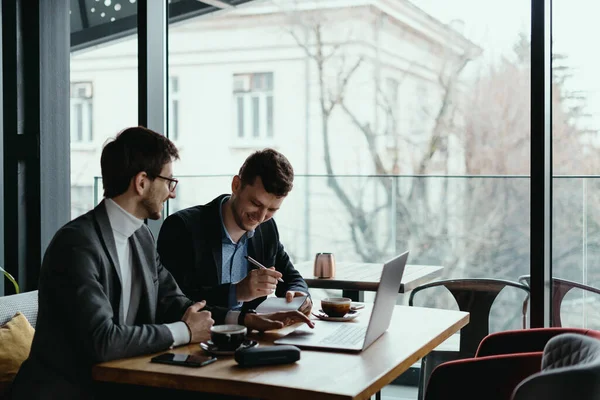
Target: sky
[[495, 24], [492, 24]]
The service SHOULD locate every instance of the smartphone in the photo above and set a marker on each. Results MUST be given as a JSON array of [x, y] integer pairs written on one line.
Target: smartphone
[[186, 360]]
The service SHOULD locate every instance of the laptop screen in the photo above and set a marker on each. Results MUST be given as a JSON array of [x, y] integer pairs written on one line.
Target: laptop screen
[[385, 299]]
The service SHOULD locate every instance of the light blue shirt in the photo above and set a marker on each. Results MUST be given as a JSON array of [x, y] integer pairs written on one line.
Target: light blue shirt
[[234, 266]]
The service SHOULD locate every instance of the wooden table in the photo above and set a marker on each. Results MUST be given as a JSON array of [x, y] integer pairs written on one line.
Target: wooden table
[[413, 333], [354, 278]]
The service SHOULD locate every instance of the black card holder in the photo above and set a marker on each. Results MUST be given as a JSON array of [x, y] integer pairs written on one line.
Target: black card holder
[[271, 355]]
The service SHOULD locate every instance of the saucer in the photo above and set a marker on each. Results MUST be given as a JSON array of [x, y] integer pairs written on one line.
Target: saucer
[[210, 347], [348, 317]]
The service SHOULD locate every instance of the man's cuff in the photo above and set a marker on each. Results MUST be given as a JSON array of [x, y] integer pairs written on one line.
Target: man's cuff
[[233, 301], [232, 317], [180, 332]]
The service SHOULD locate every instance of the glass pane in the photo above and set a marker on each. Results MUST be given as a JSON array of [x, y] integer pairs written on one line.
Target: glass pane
[[255, 116], [448, 181], [240, 116], [90, 121], [174, 120], [270, 116], [79, 121], [575, 123], [269, 81], [104, 78]]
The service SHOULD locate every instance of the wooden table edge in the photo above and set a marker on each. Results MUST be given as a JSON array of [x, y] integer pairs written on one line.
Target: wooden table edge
[[191, 383]]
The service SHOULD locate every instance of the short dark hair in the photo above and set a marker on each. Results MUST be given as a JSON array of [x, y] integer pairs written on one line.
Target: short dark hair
[[274, 169], [132, 151]]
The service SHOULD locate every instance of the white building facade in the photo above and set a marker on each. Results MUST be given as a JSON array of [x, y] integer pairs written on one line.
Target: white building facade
[[250, 78]]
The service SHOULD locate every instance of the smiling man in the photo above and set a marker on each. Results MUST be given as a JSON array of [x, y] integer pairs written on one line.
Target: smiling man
[[204, 247]]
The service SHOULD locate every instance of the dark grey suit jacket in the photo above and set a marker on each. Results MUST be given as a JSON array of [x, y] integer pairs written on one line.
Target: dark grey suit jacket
[[190, 247], [80, 322]]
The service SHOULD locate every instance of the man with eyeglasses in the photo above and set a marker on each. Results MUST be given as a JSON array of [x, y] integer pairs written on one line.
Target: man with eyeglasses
[[205, 246], [103, 293]]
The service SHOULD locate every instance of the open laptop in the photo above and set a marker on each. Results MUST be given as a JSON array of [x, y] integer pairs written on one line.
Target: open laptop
[[350, 336]]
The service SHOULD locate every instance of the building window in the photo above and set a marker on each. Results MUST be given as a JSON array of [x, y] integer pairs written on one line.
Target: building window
[[81, 112], [253, 105], [174, 108]]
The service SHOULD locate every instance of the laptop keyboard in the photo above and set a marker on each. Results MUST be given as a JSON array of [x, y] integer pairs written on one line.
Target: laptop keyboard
[[346, 335]]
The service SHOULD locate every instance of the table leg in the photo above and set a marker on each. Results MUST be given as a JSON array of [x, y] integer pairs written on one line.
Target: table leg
[[355, 295]]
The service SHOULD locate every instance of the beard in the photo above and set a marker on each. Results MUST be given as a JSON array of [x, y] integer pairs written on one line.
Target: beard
[[152, 205], [238, 218]]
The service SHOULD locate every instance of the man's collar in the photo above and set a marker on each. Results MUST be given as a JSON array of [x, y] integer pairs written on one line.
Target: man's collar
[[120, 220]]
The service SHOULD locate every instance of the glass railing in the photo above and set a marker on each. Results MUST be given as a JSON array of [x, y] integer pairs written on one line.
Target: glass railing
[[576, 246], [473, 226]]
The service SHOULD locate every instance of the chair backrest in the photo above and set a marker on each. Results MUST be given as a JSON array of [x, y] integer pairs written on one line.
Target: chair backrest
[[26, 303], [570, 369], [560, 288], [475, 296], [525, 341]]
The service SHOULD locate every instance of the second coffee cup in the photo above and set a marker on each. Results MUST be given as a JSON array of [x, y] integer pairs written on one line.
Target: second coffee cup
[[336, 306]]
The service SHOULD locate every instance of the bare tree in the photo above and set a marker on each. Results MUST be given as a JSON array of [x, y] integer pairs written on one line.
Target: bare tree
[[308, 31], [330, 98]]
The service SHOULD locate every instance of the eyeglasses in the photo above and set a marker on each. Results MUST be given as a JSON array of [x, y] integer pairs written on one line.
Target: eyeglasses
[[172, 182]]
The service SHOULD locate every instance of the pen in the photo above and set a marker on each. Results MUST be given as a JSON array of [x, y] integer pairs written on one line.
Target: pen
[[259, 265]]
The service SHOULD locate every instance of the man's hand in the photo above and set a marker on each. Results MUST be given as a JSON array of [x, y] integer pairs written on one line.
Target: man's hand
[[277, 320], [258, 283], [306, 306], [199, 322]]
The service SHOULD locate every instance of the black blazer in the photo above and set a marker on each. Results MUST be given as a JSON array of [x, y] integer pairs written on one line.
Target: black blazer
[[189, 245], [79, 298]]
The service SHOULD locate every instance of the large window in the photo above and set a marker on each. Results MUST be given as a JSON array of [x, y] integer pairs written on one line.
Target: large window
[[253, 97], [407, 124]]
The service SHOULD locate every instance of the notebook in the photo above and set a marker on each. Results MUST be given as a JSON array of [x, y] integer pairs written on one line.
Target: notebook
[[274, 304]]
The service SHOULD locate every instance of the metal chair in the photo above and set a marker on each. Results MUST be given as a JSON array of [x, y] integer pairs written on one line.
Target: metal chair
[[475, 296], [560, 288]]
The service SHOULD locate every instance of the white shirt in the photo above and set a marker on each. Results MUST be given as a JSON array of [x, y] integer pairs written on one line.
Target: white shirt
[[124, 225]]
